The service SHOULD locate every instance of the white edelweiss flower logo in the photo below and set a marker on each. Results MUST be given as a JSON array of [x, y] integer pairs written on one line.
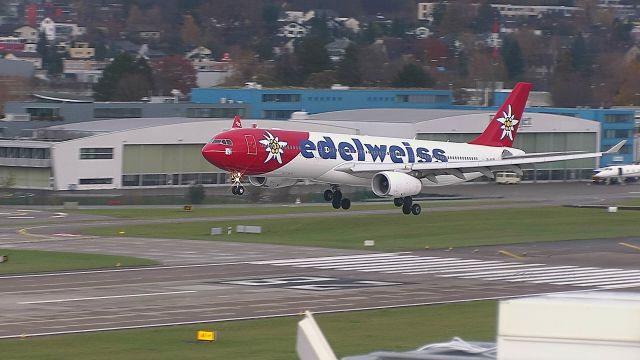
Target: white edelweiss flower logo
[[273, 147], [508, 124]]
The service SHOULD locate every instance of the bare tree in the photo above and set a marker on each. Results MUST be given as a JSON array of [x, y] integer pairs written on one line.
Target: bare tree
[[629, 91]]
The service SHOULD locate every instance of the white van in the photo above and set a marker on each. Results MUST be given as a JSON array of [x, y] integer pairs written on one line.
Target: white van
[[507, 178]]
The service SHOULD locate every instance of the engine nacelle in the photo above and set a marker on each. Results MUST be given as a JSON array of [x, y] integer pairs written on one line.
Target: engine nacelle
[[395, 184], [271, 182]]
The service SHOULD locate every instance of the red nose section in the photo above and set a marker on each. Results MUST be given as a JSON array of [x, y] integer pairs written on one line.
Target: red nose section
[[215, 154], [253, 151]]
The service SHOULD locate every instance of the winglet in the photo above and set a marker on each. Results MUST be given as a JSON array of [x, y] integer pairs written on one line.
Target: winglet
[[615, 148], [236, 122]]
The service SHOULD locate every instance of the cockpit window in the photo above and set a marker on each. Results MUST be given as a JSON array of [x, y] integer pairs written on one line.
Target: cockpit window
[[221, 141]]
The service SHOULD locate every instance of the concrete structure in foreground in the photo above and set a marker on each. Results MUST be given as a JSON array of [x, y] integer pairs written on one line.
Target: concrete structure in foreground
[[165, 152]]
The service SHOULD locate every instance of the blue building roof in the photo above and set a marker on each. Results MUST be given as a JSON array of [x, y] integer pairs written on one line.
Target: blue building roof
[[280, 103]]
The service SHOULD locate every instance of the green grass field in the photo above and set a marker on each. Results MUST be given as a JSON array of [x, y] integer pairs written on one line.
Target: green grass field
[[179, 213], [628, 202], [22, 261], [272, 339], [394, 232]]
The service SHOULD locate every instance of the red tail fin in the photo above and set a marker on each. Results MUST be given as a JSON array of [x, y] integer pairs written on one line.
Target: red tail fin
[[503, 127], [236, 122]]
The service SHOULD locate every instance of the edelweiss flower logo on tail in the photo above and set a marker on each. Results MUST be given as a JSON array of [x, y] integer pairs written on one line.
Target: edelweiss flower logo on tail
[[273, 147], [508, 124]]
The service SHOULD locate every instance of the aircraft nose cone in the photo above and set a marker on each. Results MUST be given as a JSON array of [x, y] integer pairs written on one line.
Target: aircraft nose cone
[[209, 153]]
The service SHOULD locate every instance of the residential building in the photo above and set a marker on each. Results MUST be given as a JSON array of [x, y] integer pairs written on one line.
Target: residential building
[[11, 44], [81, 50], [293, 30], [337, 48], [86, 71], [27, 33], [61, 31], [425, 11]]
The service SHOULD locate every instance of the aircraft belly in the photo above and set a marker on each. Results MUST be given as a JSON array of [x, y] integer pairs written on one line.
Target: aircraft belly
[[301, 168], [339, 177]]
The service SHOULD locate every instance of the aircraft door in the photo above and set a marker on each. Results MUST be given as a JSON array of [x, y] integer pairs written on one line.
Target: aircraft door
[[252, 148], [620, 171]]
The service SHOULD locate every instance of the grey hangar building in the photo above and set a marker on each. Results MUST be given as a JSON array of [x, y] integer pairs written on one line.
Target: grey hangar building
[[143, 150]]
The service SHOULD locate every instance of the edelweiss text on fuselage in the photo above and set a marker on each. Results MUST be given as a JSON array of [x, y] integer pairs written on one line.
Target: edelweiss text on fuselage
[[326, 149]]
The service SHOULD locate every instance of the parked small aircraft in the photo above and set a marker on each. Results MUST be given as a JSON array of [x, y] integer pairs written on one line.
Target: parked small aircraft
[[619, 173]]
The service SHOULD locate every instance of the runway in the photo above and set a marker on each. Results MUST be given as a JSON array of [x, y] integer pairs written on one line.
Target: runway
[[203, 281]]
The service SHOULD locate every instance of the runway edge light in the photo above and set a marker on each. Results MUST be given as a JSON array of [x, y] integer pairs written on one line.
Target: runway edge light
[[203, 335]]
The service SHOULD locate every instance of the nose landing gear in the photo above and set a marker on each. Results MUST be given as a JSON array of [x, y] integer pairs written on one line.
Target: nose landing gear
[[335, 196], [237, 190], [236, 187], [408, 207]]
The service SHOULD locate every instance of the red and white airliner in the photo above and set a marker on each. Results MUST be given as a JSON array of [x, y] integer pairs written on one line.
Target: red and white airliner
[[391, 167]]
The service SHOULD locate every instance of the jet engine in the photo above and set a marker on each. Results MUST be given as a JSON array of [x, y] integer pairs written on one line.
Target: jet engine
[[271, 182], [395, 184]]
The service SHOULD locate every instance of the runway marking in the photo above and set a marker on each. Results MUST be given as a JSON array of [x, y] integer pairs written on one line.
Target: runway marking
[[313, 283], [105, 297], [297, 313], [488, 270], [21, 217], [149, 268]]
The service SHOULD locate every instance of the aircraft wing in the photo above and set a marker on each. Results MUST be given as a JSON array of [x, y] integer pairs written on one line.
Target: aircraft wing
[[507, 163]]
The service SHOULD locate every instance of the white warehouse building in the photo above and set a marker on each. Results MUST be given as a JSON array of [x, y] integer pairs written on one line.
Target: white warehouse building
[[165, 152]]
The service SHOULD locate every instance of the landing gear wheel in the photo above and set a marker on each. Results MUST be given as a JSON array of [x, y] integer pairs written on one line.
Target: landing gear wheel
[[337, 195], [336, 203], [407, 201], [406, 209], [346, 204], [234, 190], [416, 209], [240, 190], [398, 202], [328, 195]]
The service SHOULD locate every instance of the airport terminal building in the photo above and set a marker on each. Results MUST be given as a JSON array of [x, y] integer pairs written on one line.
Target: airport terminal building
[[58, 144], [165, 152]]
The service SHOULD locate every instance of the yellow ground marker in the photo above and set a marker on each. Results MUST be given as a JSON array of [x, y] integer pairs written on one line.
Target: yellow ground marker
[[630, 246], [510, 254], [202, 335]]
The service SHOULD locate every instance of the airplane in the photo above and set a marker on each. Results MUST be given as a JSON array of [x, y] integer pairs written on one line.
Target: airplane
[[391, 167], [617, 172]]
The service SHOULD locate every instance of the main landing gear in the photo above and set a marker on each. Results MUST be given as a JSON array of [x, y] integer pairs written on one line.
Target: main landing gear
[[236, 188], [335, 196], [408, 207]]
